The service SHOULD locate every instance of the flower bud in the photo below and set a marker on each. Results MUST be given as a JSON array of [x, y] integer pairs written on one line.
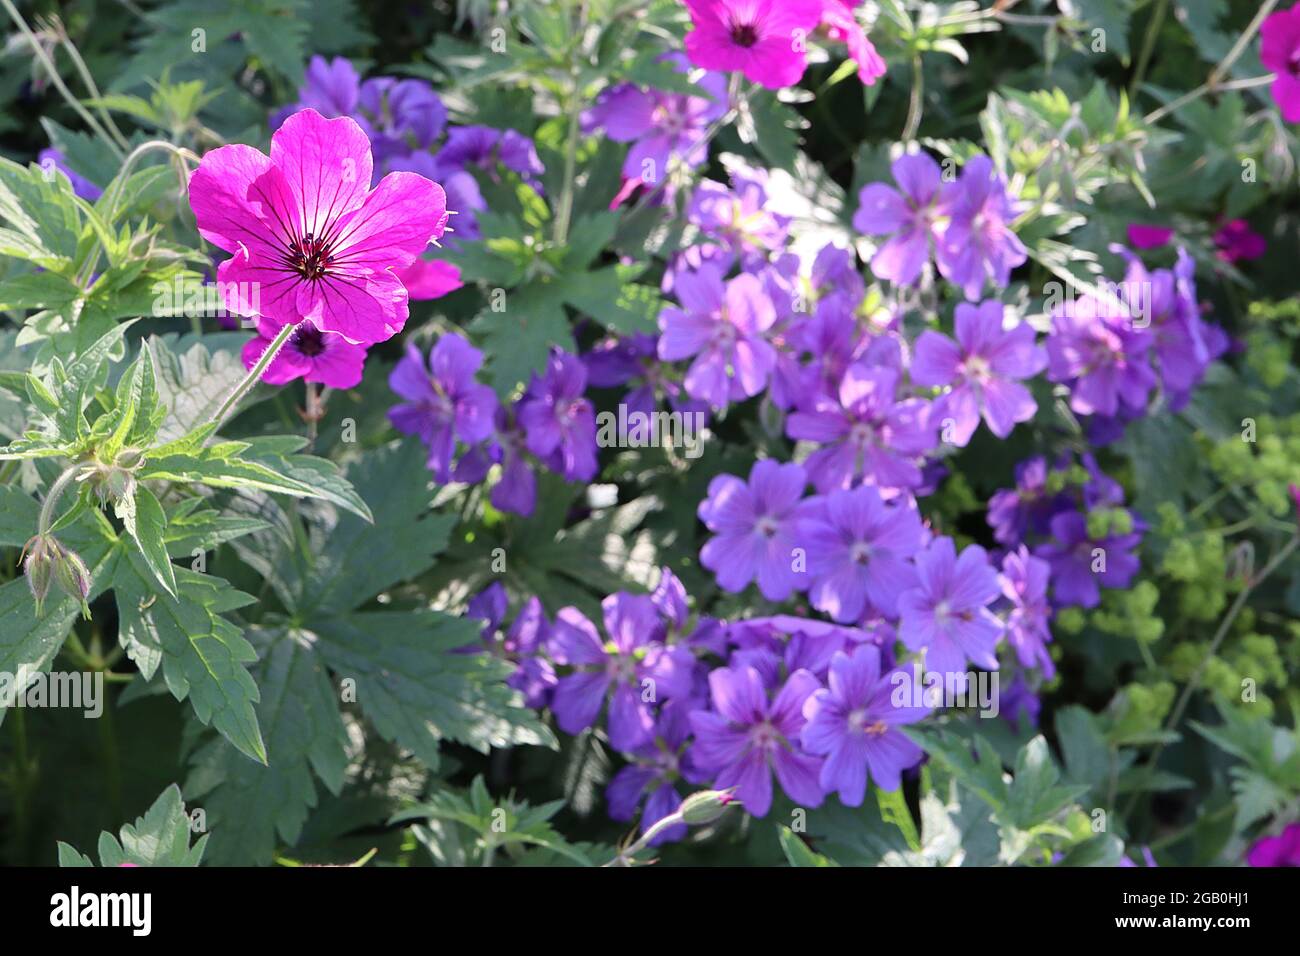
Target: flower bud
[[38, 566], [706, 806], [46, 563], [73, 577]]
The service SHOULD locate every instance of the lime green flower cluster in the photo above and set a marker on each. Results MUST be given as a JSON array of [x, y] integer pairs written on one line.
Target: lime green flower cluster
[[1253, 662], [1266, 465], [1199, 562], [1269, 357], [1131, 613], [1139, 710], [1105, 522]]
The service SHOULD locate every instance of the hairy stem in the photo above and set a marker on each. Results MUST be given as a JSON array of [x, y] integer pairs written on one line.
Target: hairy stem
[[52, 498], [57, 80], [253, 376]]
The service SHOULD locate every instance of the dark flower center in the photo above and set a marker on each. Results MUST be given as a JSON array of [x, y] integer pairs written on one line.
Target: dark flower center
[[744, 34], [309, 340], [310, 257]]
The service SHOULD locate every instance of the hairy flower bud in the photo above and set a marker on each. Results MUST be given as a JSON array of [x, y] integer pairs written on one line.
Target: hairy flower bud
[[705, 806], [38, 566], [46, 563]]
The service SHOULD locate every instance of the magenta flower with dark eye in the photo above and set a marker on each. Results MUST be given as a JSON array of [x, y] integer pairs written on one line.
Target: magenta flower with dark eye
[[309, 239], [760, 38], [1279, 51], [310, 354]]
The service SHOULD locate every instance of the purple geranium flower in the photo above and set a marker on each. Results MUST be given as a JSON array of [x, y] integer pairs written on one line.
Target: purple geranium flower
[[947, 613], [866, 432], [982, 366], [654, 772], [1081, 564], [443, 401], [50, 158], [745, 738], [858, 549], [909, 217], [485, 147], [739, 217], [404, 115], [1026, 509], [756, 528], [1024, 583], [978, 244], [559, 422], [1095, 347], [634, 670], [534, 675], [854, 723], [661, 126], [723, 327]]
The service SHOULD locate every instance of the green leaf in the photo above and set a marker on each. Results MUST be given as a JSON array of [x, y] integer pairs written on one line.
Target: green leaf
[[263, 463], [40, 290], [417, 690], [159, 838], [251, 808], [359, 559], [519, 338], [204, 656], [83, 376], [797, 853], [149, 531]]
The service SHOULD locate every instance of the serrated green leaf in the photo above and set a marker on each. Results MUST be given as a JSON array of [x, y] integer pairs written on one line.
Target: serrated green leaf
[[204, 656], [415, 687], [252, 808]]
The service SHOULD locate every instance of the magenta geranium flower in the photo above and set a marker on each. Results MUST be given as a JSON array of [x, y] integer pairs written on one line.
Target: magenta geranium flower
[[429, 279], [1279, 51], [842, 25], [761, 38], [309, 239], [310, 354], [982, 366], [1235, 240], [1142, 236]]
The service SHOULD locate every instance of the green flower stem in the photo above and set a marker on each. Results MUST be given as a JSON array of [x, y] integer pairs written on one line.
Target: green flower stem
[[52, 498], [915, 100], [1148, 46], [1219, 72], [89, 81], [253, 376], [57, 80]]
